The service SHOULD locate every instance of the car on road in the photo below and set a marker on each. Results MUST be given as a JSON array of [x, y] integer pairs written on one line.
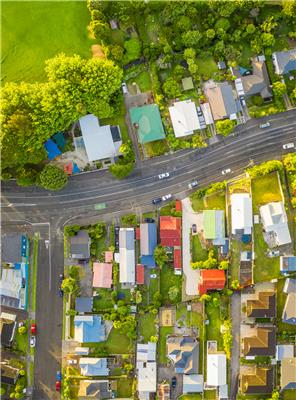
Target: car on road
[[174, 382], [288, 146], [157, 201], [59, 376], [153, 276], [149, 220], [164, 175], [124, 88], [265, 125], [61, 278], [46, 242], [166, 197], [33, 329], [242, 100], [61, 293], [192, 184], [194, 229], [32, 341], [226, 171], [58, 386]]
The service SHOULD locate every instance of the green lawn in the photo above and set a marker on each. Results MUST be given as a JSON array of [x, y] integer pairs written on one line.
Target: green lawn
[[196, 396], [153, 283], [161, 351], [22, 341], [215, 201], [156, 148], [33, 32], [265, 189], [289, 394], [117, 343], [124, 388], [198, 253], [143, 80], [168, 209], [168, 279], [210, 394], [103, 300], [206, 66], [197, 204], [146, 326], [213, 328]]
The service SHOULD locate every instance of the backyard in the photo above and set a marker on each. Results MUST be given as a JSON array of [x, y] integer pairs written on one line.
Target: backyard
[[211, 202], [265, 189], [32, 47], [213, 327], [167, 280], [117, 343], [124, 388], [161, 350], [103, 300], [146, 326]]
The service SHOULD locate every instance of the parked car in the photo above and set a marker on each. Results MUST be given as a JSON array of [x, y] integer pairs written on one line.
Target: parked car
[[199, 112], [163, 175], [124, 88], [242, 100], [226, 171], [46, 243], [265, 125], [58, 386], [61, 278], [192, 184], [59, 376], [72, 362], [33, 329], [194, 229], [157, 201], [149, 220], [166, 197], [174, 382], [32, 341], [288, 146], [153, 276], [61, 293]]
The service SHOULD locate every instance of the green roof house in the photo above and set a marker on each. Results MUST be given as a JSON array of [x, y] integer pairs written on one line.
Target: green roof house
[[214, 226], [147, 123]]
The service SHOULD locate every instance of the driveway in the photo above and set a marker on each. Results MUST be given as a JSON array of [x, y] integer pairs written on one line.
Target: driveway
[[189, 217], [235, 352], [166, 374]]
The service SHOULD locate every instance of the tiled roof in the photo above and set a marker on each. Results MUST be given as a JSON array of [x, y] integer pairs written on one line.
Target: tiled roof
[[177, 259], [256, 380], [102, 277], [262, 343], [262, 307], [170, 231], [211, 279], [140, 274]]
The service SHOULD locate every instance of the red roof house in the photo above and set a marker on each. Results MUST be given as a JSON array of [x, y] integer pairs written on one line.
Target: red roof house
[[102, 277], [177, 259], [140, 274], [170, 231], [211, 279]]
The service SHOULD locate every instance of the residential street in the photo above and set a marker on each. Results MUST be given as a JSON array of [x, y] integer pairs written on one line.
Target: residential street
[[235, 350]]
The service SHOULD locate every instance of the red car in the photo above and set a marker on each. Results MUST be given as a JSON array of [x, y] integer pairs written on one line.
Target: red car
[[58, 386], [33, 329]]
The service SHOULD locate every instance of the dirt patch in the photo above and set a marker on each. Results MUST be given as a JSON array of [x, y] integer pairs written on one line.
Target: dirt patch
[[167, 317], [197, 307], [97, 51]]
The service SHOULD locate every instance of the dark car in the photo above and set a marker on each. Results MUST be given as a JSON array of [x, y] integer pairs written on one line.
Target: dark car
[[157, 201], [194, 229], [61, 293], [174, 382], [149, 220]]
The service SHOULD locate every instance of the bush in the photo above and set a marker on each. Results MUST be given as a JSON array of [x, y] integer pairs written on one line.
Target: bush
[[225, 127], [52, 178], [133, 49], [227, 338], [26, 177], [121, 171], [265, 168]]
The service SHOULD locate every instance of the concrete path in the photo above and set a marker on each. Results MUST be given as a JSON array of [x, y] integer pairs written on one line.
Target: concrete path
[[235, 305]]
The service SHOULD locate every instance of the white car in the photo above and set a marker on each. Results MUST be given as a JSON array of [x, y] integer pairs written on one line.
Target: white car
[[124, 88], [153, 276], [192, 184], [266, 125], [164, 175], [32, 341], [166, 197], [71, 362], [288, 146], [226, 171]]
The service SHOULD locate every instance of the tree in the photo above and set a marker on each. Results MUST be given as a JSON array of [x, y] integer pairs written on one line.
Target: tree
[[22, 330], [138, 297], [191, 38], [71, 230], [225, 127], [153, 339], [52, 178], [205, 297], [224, 264], [127, 151], [71, 312], [160, 255], [171, 88], [275, 395], [69, 285], [227, 338], [289, 8], [173, 292], [279, 88], [133, 49], [210, 34], [235, 284], [26, 177], [121, 171]]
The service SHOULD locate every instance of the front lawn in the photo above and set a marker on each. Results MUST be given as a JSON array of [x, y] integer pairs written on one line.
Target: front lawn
[[196, 396], [21, 341], [198, 252], [213, 328], [156, 148], [146, 326], [289, 394], [161, 347], [124, 388], [168, 209], [215, 201], [117, 343], [143, 80], [265, 189], [167, 280], [206, 66]]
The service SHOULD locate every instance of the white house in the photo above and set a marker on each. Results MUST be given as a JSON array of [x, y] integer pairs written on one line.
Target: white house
[[127, 264], [146, 369], [275, 222], [184, 118], [91, 366], [206, 109], [241, 213], [216, 369]]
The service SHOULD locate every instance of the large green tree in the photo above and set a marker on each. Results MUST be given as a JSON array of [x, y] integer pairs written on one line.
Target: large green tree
[[52, 178]]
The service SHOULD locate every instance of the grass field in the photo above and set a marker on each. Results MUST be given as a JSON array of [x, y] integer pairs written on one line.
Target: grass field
[[213, 328], [103, 300], [146, 326], [33, 32], [265, 189], [198, 253], [161, 351], [206, 66], [124, 388], [215, 201], [167, 280], [117, 343]]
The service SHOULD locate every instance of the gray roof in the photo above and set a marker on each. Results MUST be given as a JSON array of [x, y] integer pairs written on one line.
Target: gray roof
[[231, 105], [83, 304], [285, 61], [98, 386], [11, 245], [184, 352], [80, 245], [290, 285]]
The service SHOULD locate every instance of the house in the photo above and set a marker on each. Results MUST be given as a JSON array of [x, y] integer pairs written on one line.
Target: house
[[140, 274], [108, 256], [255, 379], [163, 391], [290, 286], [127, 263], [285, 351], [187, 83], [177, 261], [287, 264], [9, 374], [216, 369], [256, 83], [146, 369], [275, 223], [222, 101], [289, 311], [146, 121], [183, 351], [258, 341], [7, 328], [259, 301], [14, 248], [214, 226], [91, 366], [246, 268], [211, 279], [80, 246], [89, 328], [284, 61], [102, 277], [221, 65], [184, 118], [100, 142], [94, 389], [193, 383], [14, 285], [241, 214], [170, 231], [288, 373], [83, 304], [148, 242], [207, 113]]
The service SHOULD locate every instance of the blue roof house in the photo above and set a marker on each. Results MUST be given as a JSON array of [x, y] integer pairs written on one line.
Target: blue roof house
[[91, 366], [287, 264], [148, 242], [89, 329]]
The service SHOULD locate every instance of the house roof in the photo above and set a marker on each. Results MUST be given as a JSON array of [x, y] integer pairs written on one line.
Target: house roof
[[285, 351], [290, 286], [261, 341], [108, 256], [187, 83], [275, 222], [288, 373], [183, 351], [284, 61], [170, 231], [127, 255], [94, 389], [7, 328], [13, 247], [241, 213], [146, 352], [80, 244], [177, 259], [12, 293], [257, 82], [222, 102], [206, 109], [148, 241], [89, 328], [288, 264], [211, 279], [147, 122], [216, 369], [83, 304], [9, 374], [289, 311], [192, 383], [184, 118], [97, 139], [91, 366], [146, 367], [140, 274], [262, 307], [256, 379], [102, 277], [214, 224]]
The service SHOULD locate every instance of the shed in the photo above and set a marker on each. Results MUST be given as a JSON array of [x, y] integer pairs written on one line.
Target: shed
[[216, 369], [52, 149], [187, 83], [140, 274]]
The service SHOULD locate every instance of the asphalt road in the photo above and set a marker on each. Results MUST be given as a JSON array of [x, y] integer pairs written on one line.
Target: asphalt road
[[76, 202]]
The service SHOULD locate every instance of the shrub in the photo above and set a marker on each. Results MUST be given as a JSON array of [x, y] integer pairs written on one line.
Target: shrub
[[52, 178], [133, 49]]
